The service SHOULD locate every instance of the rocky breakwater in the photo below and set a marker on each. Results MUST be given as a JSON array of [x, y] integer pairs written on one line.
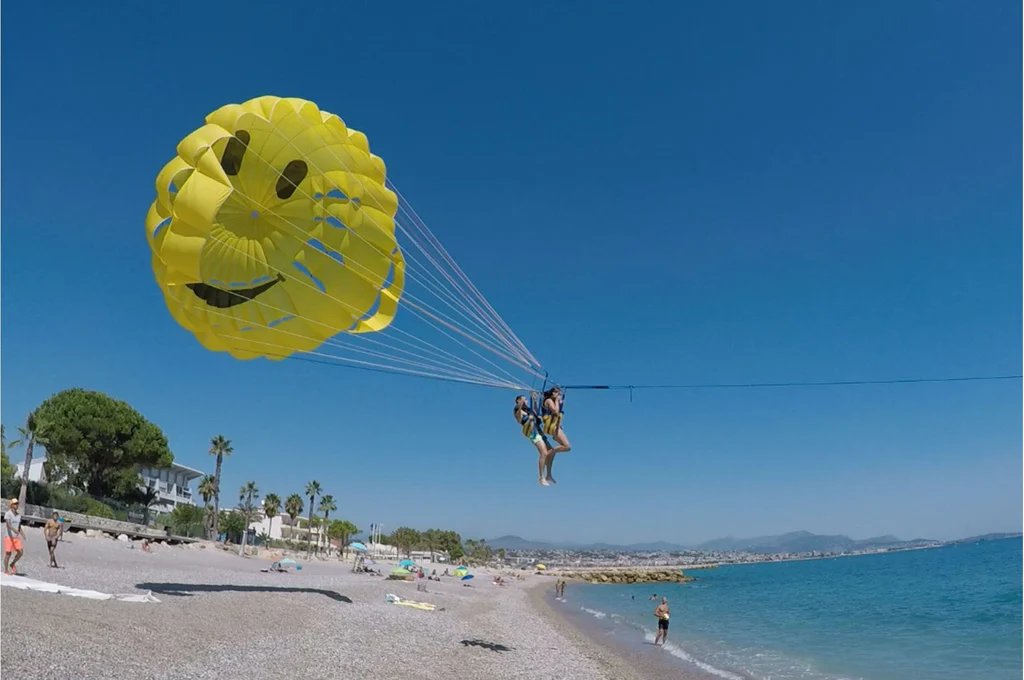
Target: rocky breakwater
[[625, 575]]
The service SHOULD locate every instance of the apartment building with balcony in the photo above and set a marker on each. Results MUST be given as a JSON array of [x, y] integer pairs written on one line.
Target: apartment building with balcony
[[173, 485]]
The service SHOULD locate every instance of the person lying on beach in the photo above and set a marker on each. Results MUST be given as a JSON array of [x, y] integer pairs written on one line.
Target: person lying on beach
[[661, 612], [52, 532], [531, 425]]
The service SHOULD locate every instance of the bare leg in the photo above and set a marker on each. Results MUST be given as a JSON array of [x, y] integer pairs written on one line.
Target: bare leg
[[7, 559], [53, 553], [543, 454], [563, 442], [14, 562]]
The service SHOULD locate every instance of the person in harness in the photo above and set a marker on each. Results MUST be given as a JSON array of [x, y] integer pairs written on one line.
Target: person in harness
[[532, 426], [552, 414]]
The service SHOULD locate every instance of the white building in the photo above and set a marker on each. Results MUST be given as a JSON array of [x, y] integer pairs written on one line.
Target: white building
[[35, 470], [281, 528], [173, 485]]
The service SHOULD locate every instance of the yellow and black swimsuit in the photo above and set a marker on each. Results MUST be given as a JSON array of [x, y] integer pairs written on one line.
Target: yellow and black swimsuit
[[552, 421], [528, 422]]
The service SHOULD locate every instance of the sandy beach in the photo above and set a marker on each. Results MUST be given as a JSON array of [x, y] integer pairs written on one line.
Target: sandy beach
[[220, 617]]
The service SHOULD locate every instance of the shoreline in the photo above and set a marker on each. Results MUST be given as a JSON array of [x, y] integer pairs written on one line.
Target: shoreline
[[622, 659]]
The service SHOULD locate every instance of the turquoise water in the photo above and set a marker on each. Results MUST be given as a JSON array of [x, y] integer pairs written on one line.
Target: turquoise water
[[950, 613]]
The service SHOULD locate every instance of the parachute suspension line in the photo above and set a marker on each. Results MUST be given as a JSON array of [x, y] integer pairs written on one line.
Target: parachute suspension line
[[424, 311], [436, 315], [467, 372], [516, 346], [410, 211], [522, 352], [511, 382], [302, 357], [334, 341], [382, 368], [463, 304], [417, 221], [466, 303]]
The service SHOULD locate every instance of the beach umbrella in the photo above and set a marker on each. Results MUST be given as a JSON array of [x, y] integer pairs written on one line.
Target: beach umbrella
[[357, 546], [407, 563], [461, 571], [400, 574], [541, 567]]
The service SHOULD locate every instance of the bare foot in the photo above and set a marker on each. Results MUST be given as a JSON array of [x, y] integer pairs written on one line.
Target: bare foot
[[545, 482], [552, 479]]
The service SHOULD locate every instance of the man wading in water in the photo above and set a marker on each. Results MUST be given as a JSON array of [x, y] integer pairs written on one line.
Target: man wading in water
[[662, 613]]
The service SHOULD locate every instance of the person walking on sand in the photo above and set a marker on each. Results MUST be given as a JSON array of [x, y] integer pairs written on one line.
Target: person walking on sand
[[52, 531], [661, 612], [14, 537]]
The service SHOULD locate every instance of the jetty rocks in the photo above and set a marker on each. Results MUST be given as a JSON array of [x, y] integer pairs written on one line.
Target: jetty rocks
[[625, 575]]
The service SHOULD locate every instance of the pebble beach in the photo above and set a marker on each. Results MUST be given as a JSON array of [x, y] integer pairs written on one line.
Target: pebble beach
[[219, 616]]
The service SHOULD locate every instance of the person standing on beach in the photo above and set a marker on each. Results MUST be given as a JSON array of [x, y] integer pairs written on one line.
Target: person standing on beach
[[14, 537], [52, 531], [661, 612]]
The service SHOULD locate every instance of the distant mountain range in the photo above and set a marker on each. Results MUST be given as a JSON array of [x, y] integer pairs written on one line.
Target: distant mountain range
[[792, 542]]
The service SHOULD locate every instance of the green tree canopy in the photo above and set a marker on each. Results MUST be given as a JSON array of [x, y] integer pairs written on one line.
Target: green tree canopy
[[233, 524], [405, 539], [342, 530], [187, 520], [6, 466], [95, 442]]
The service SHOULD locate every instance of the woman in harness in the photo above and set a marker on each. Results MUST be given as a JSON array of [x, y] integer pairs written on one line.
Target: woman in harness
[[532, 427], [552, 419]]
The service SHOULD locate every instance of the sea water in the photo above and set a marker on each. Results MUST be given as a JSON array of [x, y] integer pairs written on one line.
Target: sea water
[[950, 613]]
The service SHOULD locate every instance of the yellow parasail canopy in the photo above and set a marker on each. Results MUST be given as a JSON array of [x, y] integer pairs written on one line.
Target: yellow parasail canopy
[[273, 230]]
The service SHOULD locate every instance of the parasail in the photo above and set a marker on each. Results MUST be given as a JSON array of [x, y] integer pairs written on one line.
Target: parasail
[[275, 233], [273, 230]]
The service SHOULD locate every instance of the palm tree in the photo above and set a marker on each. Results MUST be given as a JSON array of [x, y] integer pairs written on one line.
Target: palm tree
[[208, 489], [293, 506], [342, 529], [246, 499], [327, 506], [312, 490], [31, 434], [147, 498], [271, 506], [220, 447]]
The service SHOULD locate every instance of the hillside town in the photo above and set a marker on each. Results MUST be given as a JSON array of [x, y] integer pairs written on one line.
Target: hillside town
[[553, 558]]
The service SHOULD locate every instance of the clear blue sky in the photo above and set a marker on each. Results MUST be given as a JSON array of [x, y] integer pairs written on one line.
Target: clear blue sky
[[721, 191]]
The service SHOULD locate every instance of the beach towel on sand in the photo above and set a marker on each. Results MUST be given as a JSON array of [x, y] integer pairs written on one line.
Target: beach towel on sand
[[395, 599], [25, 583]]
